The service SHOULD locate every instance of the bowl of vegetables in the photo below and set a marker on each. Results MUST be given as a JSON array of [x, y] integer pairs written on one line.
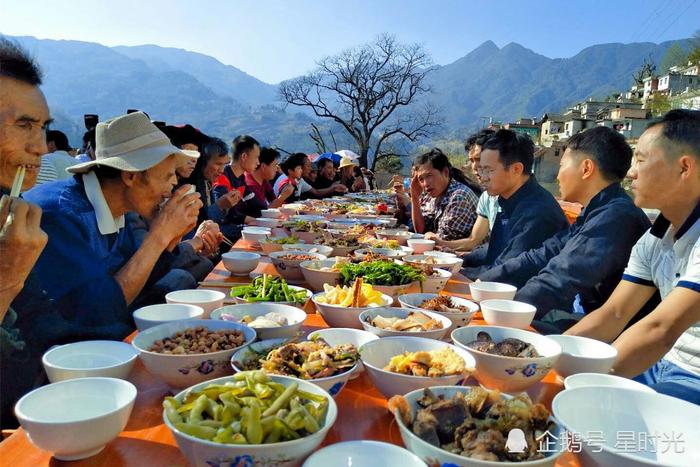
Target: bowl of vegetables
[[267, 288], [387, 322], [340, 307], [311, 248], [342, 245], [272, 420], [401, 236], [309, 232], [272, 244], [448, 263], [270, 320], [385, 276], [319, 273], [287, 263]]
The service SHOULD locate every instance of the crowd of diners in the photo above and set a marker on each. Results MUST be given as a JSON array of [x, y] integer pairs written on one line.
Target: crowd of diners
[[144, 209]]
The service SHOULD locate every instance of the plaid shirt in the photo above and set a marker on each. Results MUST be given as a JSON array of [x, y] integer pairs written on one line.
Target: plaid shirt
[[451, 215]]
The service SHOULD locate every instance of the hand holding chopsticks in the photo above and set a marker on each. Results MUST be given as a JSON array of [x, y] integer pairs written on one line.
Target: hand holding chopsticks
[[17, 182]]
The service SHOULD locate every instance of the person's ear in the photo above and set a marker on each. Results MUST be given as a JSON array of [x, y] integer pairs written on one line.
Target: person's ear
[[587, 169], [688, 166], [517, 168], [129, 178]]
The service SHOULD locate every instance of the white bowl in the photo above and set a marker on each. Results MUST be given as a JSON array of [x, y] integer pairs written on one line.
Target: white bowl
[[491, 291], [180, 371], [208, 300], [609, 419], [583, 355], [388, 252], [509, 374], [350, 453], [436, 283], [241, 300], [437, 254], [337, 316], [271, 213], [295, 317], [111, 359], [153, 315], [270, 222], [507, 313], [582, 380], [400, 236], [420, 245], [395, 291], [320, 249], [203, 453], [308, 218], [75, 419], [307, 237], [437, 456], [413, 300], [452, 264], [368, 315], [356, 337], [255, 234], [377, 354], [240, 263], [241, 356], [289, 268], [315, 278]]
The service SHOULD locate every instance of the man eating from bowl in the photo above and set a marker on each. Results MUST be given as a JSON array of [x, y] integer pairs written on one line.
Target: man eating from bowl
[[106, 268], [662, 350]]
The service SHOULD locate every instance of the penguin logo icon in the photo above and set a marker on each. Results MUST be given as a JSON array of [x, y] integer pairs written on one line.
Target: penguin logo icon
[[516, 441]]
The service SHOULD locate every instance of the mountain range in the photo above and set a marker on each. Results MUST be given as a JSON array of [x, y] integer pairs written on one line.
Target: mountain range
[[179, 86]]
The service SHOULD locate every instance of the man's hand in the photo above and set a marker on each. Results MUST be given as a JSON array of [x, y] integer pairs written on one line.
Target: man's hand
[[177, 217], [340, 188], [431, 236], [228, 200], [287, 191], [21, 243], [416, 188], [210, 235]]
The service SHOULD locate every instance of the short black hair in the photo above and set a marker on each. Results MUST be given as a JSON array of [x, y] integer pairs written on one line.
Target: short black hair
[[435, 157], [214, 147], [241, 144], [477, 139], [16, 63], [681, 127], [268, 155], [607, 147], [59, 138], [512, 147], [295, 160], [322, 162]]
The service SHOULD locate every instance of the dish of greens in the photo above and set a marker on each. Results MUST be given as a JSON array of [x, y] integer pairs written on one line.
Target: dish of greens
[[269, 289], [379, 273]]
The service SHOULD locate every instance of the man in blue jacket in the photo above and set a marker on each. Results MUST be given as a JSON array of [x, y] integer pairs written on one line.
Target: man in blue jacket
[[528, 214], [587, 259]]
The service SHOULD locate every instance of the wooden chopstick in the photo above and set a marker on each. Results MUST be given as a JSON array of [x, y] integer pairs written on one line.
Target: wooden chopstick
[[17, 182], [227, 241]]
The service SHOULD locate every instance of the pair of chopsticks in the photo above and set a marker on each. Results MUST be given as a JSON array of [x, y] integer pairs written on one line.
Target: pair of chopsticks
[[18, 181], [227, 241]]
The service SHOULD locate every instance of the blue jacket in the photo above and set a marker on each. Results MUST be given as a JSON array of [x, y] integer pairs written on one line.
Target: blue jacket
[[587, 259], [526, 219], [78, 264]]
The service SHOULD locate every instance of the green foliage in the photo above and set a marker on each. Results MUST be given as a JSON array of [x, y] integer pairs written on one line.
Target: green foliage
[[675, 55], [660, 104]]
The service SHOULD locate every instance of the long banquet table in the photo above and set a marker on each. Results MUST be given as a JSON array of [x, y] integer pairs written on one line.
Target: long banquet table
[[362, 410]]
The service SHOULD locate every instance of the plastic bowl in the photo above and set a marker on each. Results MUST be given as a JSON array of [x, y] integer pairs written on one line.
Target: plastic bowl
[[153, 315], [452, 264], [255, 234], [320, 249], [316, 278], [208, 300], [289, 268], [437, 282], [491, 291], [509, 374], [271, 213], [420, 245], [377, 354], [335, 336], [400, 236], [180, 371], [111, 359], [583, 355], [270, 222], [582, 380], [295, 317], [368, 315], [351, 453], [75, 419], [388, 252], [508, 313], [240, 263], [458, 319], [199, 452], [337, 316]]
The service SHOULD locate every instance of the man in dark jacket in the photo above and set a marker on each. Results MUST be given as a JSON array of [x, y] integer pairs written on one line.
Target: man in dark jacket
[[577, 269], [528, 215]]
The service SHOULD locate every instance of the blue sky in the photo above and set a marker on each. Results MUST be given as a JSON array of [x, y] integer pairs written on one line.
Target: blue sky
[[276, 40]]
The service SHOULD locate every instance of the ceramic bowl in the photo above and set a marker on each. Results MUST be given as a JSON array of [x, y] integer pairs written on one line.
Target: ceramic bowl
[[269, 222], [240, 263], [76, 419], [241, 300], [388, 252], [316, 278], [509, 374], [583, 355], [351, 453], [507, 313], [84, 359], [452, 264], [458, 319], [367, 316], [491, 291], [255, 234], [153, 315], [315, 248], [400, 236], [437, 282], [208, 300], [289, 268], [337, 316], [581, 380], [420, 245], [271, 213], [356, 337], [180, 371], [295, 318]]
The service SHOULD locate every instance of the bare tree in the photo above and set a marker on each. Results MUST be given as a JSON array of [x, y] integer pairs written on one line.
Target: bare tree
[[316, 136], [647, 69], [367, 90]]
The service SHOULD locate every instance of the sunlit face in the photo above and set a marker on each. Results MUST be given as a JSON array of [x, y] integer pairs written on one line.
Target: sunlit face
[[150, 188], [296, 172], [250, 159], [328, 170], [474, 156], [24, 120], [187, 169], [215, 167], [569, 176], [497, 178], [269, 171], [655, 176], [433, 181], [306, 168]]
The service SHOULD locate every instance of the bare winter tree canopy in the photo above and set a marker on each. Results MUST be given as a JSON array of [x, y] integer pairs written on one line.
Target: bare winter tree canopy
[[367, 90]]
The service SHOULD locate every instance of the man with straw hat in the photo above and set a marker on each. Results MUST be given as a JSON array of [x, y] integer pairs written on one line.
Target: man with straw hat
[[133, 171]]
